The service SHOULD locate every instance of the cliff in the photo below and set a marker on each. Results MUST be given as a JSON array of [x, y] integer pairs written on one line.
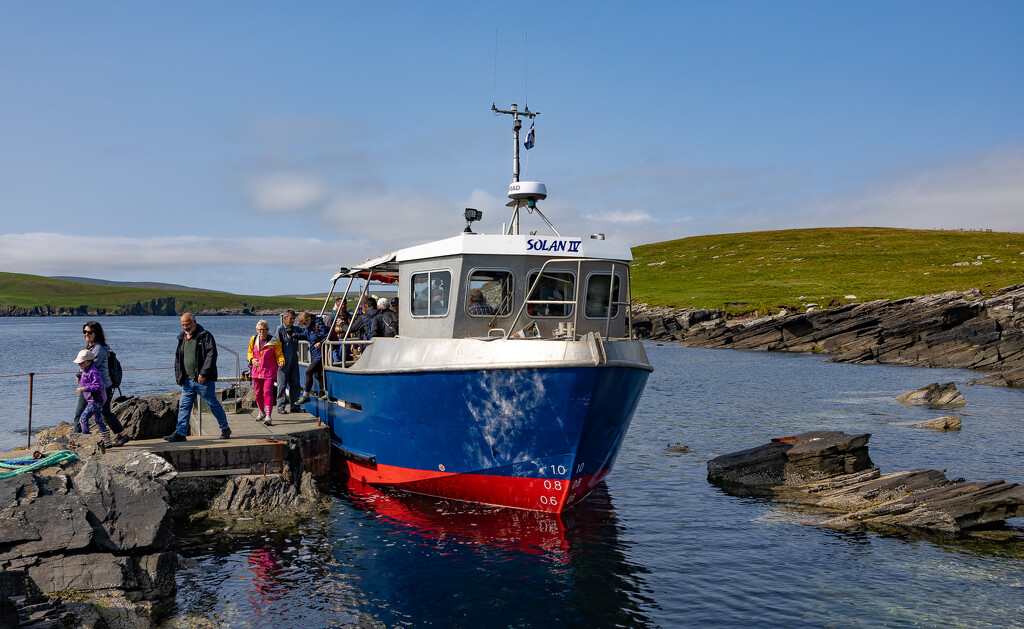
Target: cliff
[[966, 330]]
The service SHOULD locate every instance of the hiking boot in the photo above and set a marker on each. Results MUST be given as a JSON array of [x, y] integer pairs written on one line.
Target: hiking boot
[[120, 440], [304, 398], [225, 434], [297, 409], [175, 436]]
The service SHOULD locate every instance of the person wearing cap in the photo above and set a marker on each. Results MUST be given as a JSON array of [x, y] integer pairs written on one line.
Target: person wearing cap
[[90, 385], [386, 321], [195, 371]]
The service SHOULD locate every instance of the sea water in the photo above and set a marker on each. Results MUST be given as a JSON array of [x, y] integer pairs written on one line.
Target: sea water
[[655, 546]]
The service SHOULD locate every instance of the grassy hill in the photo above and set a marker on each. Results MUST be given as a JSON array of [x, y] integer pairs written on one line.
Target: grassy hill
[[766, 270], [29, 291]]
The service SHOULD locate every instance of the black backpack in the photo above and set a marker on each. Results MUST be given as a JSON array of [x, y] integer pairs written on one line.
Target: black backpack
[[115, 370]]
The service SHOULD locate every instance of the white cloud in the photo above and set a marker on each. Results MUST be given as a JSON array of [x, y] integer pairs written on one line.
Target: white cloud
[[285, 192], [983, 191], [61, 254], [621, 216]]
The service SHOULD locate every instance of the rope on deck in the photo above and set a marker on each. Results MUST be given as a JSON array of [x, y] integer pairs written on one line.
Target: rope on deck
[[21, 466]]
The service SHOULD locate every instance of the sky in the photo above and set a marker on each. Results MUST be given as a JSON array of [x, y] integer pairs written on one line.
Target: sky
[[256, 147]]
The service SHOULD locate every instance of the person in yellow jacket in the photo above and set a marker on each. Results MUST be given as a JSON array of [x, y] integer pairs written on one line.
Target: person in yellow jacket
[[265, 356]]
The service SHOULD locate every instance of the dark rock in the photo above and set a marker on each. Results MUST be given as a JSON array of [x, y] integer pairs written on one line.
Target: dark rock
[[951, 422], [262, 493], [129, 512], [953, 329], [804, 458], [148, 576], [681, 449], [916, 502], [149, 416], [950, 509], [935, 394]]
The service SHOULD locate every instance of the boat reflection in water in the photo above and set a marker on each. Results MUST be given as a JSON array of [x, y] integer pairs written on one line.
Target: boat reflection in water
[[513, 567]]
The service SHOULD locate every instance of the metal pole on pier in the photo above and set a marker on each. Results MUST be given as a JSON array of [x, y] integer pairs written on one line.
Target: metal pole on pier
[[31, 382]]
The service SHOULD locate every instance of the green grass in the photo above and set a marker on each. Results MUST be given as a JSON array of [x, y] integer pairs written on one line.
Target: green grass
[[28, 291], [768, 270]]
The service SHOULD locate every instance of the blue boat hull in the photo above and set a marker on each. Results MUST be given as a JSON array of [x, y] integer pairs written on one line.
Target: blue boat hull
[[535, 438]]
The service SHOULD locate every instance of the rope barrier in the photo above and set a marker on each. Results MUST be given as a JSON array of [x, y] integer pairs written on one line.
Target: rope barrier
[[64, 373], [21, 466]]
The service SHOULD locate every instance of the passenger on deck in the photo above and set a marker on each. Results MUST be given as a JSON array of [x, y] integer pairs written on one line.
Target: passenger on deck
[[478, 304], [314, 332], [340, 313], [363, 326], [386, 321], [288, 376]]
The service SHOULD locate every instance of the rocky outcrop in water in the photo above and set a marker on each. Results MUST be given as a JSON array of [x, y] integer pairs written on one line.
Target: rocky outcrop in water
[[951, 422], [964, 330], [832, 470], [935, 394]]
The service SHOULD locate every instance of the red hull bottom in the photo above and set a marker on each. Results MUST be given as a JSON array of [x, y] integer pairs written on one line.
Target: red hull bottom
[[535, 494]]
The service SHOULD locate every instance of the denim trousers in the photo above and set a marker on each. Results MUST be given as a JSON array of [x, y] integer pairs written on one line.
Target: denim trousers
[[208, 393]]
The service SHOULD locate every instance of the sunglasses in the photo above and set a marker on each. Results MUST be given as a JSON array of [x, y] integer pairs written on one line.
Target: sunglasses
[[88, 332]]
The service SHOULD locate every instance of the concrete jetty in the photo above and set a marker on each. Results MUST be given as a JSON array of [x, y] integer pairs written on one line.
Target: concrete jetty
[[252, 449]]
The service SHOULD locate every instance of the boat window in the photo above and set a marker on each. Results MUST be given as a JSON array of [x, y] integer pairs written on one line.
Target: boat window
[[554, 286], [489, 292], [597, 295], [430, 293]]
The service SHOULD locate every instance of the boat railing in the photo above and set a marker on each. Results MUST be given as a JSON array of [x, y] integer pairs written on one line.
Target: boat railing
[[611, 308], [354, 348]]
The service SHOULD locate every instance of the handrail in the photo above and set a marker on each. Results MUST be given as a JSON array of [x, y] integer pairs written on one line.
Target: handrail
[[576, 311], [238, 362]]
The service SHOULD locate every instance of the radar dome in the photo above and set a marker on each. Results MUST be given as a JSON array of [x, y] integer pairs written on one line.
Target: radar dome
[[527, 190]]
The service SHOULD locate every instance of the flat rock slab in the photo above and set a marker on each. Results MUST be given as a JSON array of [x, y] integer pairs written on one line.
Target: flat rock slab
[[915, 502], [935, 394], [951, 422], [795, 460]]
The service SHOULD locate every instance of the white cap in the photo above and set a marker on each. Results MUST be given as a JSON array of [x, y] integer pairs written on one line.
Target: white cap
[[85, 356]]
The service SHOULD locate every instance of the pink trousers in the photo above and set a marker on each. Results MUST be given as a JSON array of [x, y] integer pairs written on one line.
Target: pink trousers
[[266, 394]]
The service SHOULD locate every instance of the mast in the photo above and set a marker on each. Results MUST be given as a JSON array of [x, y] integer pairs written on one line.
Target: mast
[[517, 124]]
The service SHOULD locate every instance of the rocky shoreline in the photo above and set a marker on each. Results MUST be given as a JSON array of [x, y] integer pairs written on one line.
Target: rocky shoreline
[[164, 307], [89, 542], [965, 330]]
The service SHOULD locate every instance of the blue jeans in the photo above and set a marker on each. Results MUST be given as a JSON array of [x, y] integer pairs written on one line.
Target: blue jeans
[[208, 393]]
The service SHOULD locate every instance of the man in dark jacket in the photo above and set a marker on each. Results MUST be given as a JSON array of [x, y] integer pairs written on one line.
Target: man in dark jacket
[[363, 326], [288, 376], [386, 321], [195, 370]]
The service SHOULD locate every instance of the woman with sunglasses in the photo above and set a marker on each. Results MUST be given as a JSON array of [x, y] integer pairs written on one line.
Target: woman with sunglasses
[[96, 342]]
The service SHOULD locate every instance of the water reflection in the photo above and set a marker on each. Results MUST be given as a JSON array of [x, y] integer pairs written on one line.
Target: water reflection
[[458, 564]]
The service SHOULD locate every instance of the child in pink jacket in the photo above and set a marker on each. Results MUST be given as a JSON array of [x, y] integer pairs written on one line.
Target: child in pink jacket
[[265, 356], [90, 385]]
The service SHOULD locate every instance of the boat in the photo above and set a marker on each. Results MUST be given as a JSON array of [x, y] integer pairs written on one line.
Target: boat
[[522, 401]]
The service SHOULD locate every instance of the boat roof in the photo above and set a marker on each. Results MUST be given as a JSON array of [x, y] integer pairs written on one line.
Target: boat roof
[[385, 268], [548, 246]]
